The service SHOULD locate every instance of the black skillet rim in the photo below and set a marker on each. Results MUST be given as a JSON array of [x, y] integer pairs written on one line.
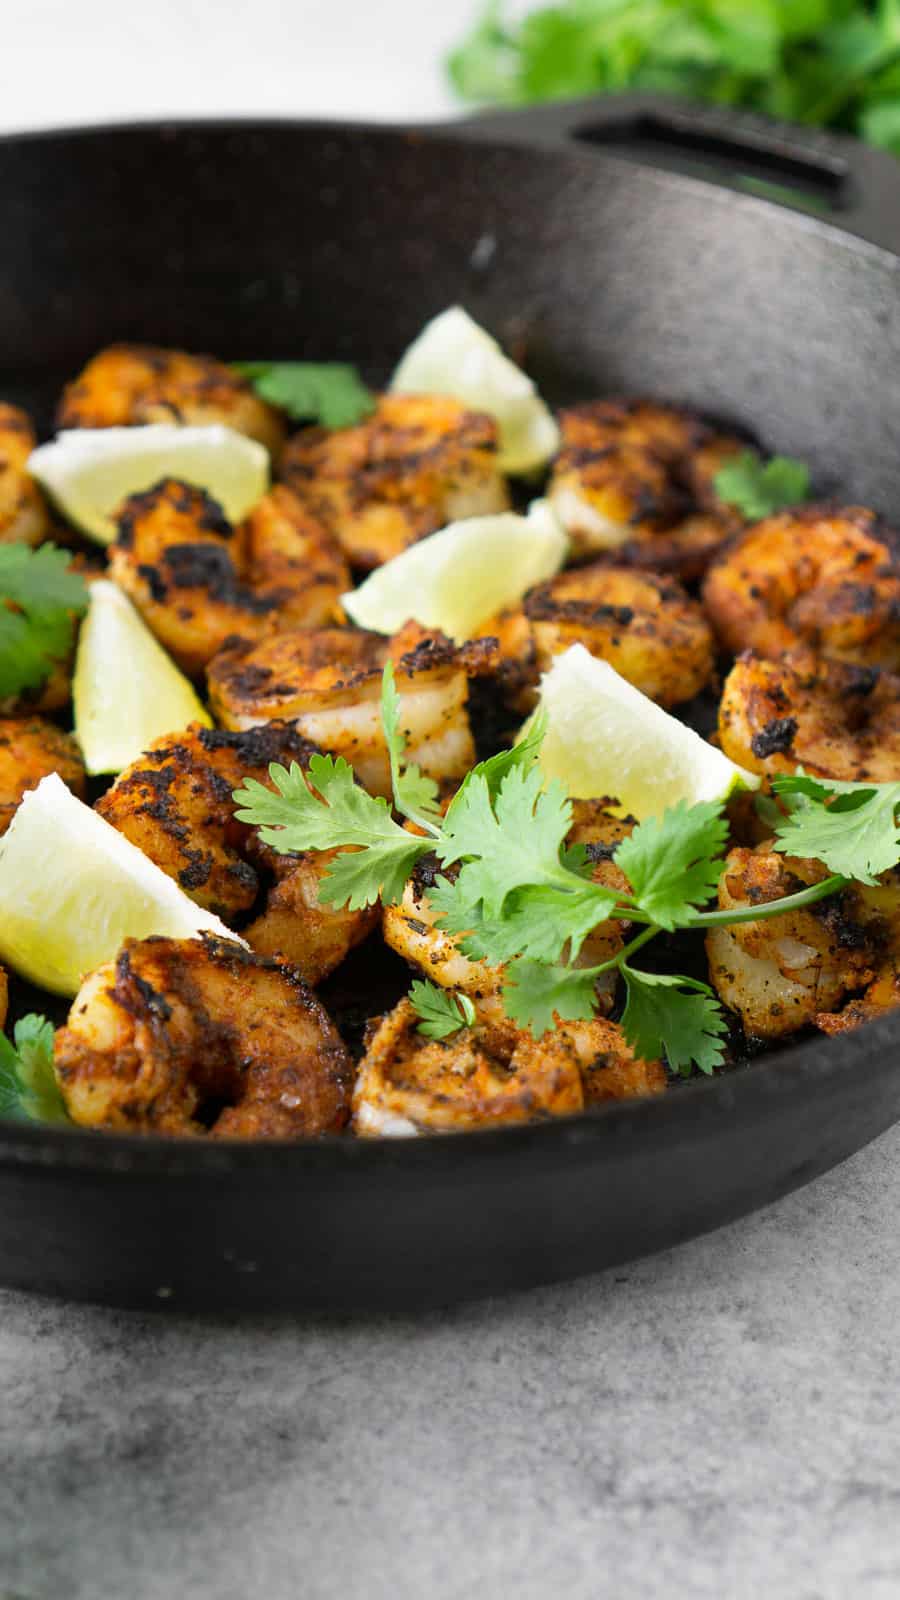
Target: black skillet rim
[[819, 1059]]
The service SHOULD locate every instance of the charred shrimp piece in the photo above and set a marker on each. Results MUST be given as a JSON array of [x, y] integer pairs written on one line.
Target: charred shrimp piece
[[200, 1036], [175, 803], [198, 581], [411, 929], [127, 385], [419, 462], [490, 1074], [816, 577], [30, 749], [23, 514], [882, 996], [328, 682], [832, 719], [779, 973], [636, 478], [643, 625]]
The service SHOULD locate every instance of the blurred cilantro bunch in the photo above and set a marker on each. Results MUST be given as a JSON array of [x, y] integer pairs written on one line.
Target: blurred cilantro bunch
[[828, 63]]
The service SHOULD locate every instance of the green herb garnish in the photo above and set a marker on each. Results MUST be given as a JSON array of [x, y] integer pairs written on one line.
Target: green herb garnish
[[329, 392], [826, 63], [757, 489], [441, 1011], [518, 897], [41, 598], [28, 1088]]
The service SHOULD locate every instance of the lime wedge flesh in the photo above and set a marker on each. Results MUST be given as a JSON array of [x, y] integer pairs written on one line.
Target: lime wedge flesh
[[454, 356], [606, 738], [72, 889], [127, 690], [88, 472], [458, 578]]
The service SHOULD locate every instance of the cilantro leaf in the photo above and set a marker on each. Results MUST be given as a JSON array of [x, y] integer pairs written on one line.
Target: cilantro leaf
[[673, 862], [852, 828], [40, 599], [415, 796], [28, 1086], [661, 1019], [523, 754], [294, 817], [514, 841], [442, 1011], [758, 489], [329, 392], [534, 994], [538, 921]]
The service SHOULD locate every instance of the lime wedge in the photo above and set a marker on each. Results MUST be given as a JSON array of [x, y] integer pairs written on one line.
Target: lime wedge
[[127, 690], [456, 579], [454, 356], [606, 738], [72, 888], [88, 472]]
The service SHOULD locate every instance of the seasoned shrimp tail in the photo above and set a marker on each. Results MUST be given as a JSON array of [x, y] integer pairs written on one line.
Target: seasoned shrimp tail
[[23, 514], [419, 462], [127, 385], [200, 1036]]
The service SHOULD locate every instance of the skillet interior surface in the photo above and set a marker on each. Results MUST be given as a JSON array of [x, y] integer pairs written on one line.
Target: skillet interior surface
[[333, 242]]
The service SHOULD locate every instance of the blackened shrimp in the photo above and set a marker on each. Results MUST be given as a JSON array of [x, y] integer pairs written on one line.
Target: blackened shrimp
[[419, 462], [23, 514], [198, 581], [637, 478], [328, 682], [127, 385], [30, 749], [643, 625], [820, 577], [175, 803], [200, 1036], [490, 1074], [780, 972], [832, 719]]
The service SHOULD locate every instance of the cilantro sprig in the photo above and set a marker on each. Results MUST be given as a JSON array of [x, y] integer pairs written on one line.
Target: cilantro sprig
[[41, 599], [28, 1088], [442, 1013], [329, 392], [829, 63], [516, 896], [758, 488]]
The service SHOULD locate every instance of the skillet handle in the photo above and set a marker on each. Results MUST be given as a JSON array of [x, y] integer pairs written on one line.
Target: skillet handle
[[807, 169]]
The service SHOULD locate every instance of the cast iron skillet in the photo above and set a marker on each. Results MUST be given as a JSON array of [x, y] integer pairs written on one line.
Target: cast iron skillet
[[298, 240]]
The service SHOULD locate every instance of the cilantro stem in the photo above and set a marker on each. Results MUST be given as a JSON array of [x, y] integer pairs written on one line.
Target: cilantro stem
[[770, 908]]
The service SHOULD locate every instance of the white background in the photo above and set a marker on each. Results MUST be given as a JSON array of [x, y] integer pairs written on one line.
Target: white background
[[81, 61]]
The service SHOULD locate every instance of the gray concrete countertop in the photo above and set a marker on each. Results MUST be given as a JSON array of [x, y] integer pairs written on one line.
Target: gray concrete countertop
[[720, 1421]]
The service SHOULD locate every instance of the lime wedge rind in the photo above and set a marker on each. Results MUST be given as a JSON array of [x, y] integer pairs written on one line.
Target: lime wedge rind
[[72, 889], [458, 578], [604, 737], [88, 472], [127, 690], [454, 355]]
